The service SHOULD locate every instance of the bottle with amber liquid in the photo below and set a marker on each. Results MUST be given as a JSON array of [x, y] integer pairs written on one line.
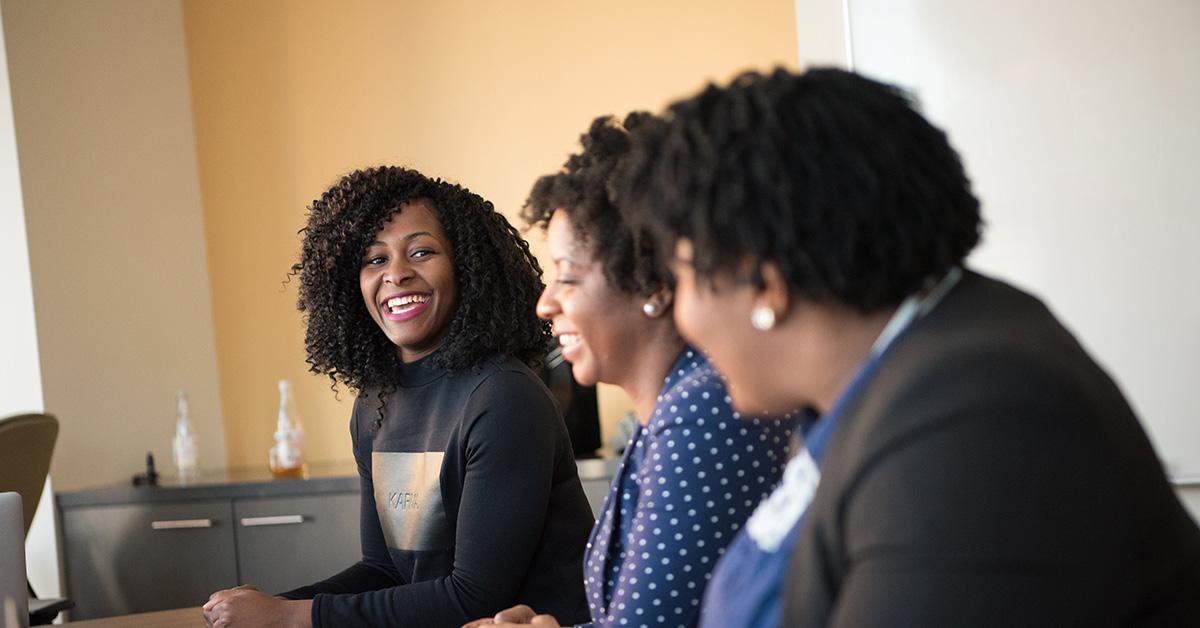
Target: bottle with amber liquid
[[287, 454]]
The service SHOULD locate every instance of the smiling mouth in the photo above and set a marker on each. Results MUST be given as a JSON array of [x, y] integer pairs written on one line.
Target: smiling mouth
[[567, 341], [406, 303]]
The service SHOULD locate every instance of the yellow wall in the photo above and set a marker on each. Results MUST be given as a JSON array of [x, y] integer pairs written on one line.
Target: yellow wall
[[287, 96]]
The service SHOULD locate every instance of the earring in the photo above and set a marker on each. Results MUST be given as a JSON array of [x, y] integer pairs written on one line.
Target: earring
[[650, 309], [762, 318]]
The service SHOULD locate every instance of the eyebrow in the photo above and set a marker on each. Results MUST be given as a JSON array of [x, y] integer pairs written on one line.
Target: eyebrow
[[408, 238], [568, 260]]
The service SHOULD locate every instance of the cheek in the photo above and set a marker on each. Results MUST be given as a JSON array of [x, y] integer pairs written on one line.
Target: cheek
[[447, 286], [610, 323], [585, 303], [703, 320], [367, 292]]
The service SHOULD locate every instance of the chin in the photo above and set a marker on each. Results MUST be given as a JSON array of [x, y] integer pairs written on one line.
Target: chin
[[583, 375]]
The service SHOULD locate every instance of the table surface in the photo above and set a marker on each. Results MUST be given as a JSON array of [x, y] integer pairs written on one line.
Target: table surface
[[178, 618]]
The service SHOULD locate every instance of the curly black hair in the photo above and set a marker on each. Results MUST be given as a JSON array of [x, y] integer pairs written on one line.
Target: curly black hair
[[497, 277], [833, 176], [582, 188]]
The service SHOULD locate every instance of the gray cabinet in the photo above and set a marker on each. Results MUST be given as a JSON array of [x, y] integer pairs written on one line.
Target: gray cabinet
[[288, 542], [132, 558], [137, 549], [132, 550], [596, 476]]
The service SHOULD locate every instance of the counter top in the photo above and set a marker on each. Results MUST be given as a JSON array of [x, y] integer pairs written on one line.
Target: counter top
[[258, 482], [597, 468], [220, 484]]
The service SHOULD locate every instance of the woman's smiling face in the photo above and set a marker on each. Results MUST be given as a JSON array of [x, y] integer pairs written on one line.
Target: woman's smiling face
[[596, 324], [407, 281]]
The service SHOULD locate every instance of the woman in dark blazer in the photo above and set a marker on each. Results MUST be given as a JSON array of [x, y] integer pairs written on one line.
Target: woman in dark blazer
[[972, 466]]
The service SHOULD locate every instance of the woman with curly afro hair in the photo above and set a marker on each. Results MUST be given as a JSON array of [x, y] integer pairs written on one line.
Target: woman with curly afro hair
[[692, 472], [419, 297]]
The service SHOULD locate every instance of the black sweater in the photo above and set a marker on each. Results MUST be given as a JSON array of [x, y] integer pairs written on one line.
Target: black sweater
[[471, 503]]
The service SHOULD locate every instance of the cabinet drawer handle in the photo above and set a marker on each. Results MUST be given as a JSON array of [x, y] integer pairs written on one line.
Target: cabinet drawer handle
[[181, 524], [279, 520]]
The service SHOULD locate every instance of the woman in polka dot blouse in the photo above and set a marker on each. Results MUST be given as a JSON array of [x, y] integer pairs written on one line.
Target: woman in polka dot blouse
[[693, 471]]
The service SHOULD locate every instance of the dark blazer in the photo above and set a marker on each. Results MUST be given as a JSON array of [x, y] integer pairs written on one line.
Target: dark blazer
[[991, 474]]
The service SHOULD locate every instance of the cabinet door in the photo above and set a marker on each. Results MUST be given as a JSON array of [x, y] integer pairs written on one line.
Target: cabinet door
[[596, 490], [288, 542], [147, 557]]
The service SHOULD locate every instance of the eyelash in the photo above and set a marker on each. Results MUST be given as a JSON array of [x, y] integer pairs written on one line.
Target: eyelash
[[417, 254]]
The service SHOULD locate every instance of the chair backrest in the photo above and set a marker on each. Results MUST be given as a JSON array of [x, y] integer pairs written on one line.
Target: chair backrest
[[26, 446]]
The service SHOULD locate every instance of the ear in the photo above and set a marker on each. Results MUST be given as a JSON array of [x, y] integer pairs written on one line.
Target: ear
[[659, 302], [774, 292]]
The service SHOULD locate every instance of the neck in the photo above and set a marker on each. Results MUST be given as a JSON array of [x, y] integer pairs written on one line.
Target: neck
[[841, 346], [643, 379]]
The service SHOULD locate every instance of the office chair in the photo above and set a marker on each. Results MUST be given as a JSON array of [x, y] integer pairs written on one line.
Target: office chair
[[26, 446]]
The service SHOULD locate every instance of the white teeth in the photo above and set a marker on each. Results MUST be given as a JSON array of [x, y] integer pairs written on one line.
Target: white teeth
[[407, 302], [568, 340]]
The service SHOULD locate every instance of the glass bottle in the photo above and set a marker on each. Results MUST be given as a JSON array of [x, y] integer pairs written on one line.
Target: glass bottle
[[287, 454], [184, 447]]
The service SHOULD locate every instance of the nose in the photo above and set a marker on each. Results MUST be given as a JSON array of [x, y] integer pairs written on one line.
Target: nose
[[547, 304], [397, 271]]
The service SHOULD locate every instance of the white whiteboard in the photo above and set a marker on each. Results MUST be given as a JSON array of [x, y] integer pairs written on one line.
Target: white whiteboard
[[1079, 122]]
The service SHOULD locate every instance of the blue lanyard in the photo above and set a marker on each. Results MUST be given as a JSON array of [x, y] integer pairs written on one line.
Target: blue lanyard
[[817, 438], [912, 309]]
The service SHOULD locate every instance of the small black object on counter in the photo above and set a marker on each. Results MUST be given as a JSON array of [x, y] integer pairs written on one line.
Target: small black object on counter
[[150, 477]]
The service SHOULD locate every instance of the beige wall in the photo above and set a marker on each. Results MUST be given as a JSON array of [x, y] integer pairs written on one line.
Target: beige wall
[[20, 369], [116, 247], [287, 96]]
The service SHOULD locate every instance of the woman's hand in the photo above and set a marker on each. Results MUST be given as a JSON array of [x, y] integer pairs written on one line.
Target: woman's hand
[[516, 616], [249, 607]]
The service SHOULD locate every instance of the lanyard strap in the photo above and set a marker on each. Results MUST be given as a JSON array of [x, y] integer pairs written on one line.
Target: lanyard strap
[[911, 310]]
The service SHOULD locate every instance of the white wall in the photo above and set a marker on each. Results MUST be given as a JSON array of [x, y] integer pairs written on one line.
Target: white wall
[[1190, 494], [822, 33], [102, 109], [20, 371], [1079, 124]]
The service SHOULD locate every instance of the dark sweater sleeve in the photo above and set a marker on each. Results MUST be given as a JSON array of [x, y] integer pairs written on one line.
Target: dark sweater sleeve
[[375, 570], [509, 449]]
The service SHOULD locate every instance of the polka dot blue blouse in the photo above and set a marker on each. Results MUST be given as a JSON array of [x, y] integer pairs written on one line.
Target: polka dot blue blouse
[[687, 482]]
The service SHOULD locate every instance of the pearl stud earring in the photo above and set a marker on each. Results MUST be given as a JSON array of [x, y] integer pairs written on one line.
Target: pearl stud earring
[[650, 309], [762, 318]]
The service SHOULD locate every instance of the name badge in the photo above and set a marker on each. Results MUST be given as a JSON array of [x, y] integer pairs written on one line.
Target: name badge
[[775, 517]]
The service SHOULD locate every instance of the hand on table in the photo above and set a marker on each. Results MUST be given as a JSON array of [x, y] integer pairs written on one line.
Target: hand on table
[[249, 607], [516, 616]]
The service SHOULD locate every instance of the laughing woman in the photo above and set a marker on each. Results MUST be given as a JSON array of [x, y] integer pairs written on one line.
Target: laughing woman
[[420, 297], [692, 472]]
